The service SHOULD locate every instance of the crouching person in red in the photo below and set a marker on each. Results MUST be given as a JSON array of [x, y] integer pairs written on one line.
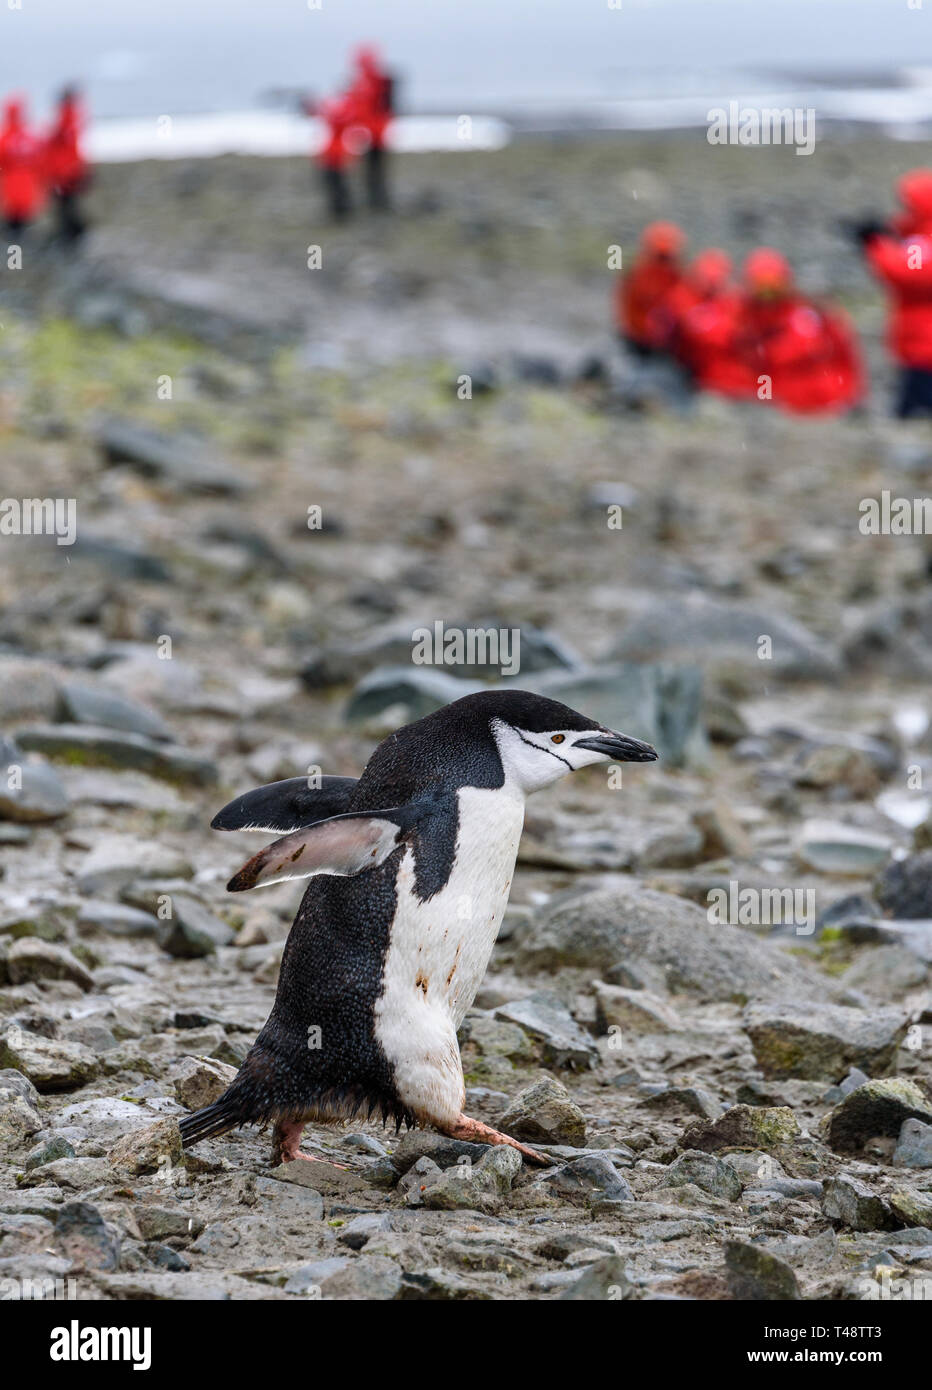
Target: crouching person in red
[[900, 256], [706, 316], [642, 293], [22, 187], [65, 166], [802, 356]]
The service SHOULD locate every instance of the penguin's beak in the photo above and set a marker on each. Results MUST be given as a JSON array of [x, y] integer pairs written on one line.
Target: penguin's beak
[[618, 747]]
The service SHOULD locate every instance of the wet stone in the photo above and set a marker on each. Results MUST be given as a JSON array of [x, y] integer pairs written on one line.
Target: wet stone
[[546, 1018], [545, 1113], [755, 1274], [714, 1175], [914, 1145], [876, 1108], [822, 1042]]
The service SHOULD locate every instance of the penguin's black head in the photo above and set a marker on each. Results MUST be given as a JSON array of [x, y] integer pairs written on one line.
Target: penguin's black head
[[540, 740]]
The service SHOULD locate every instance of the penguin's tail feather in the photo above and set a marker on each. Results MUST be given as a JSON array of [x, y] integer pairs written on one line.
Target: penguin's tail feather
[[224, 1114]]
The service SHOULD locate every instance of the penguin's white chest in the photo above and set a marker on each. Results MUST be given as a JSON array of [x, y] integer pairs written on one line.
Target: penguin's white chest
[[439, 950]]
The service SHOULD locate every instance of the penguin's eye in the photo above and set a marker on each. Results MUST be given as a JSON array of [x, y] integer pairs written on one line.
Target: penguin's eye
[[558, 738]]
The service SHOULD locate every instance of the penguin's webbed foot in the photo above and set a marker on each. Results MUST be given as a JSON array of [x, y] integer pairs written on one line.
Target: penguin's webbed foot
[[286, 1138], [478, 1133]]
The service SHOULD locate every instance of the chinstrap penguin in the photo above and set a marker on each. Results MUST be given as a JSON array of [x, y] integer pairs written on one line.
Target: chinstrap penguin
[[411, 865]]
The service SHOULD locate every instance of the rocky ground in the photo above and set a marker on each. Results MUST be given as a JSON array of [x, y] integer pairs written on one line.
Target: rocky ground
[[709, 999]]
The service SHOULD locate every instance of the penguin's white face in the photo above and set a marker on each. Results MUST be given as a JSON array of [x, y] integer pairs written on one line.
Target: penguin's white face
[[533, 760]]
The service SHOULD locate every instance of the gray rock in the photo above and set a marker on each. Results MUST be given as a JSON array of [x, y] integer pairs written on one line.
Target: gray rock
[[693, 1099], [49, 1153], [606, 1280], [156, 1148], [594, 926], [545, 1113], [158, 1223], [421, 1174], [468, 1186], [199, 1081], [833, 848], [18, 1120], [712, 1174], [85, 1238], [443, 1152], [787, 1187], [118, 860], [914, 1146], [175, 460], [29, 689], [718, 634], [20, 1085], [369, 1278], [121, 561], [85, 704], [88, 743], [30, 958], [854, 908], [392, 647], [822, 1041], [39, 797], [585, 1177], [115, 919], [72, 1174], [877, 1108], [633, 1011], [851, 1082], [418, 690], [885, 971], [105, 1117], [745, 1127], [192, 930], [50, 1064], [438, 1285], [904, 889], [546, 1018], [361, 1229], [850, 1202], [755, 1274]]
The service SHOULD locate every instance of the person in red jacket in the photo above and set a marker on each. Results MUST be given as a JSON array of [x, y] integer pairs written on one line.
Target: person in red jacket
[[336, 153], [22, 188], [373, 96], [900, 256], [802, 356], [65, 166], [642, 292], [704, 336]]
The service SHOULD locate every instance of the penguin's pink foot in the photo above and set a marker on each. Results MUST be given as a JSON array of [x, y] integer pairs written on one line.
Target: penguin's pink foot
[[478, 1133], [286, 1138]]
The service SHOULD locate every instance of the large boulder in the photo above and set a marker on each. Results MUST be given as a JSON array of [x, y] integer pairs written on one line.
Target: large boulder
[[616, 918], [821, 1042], [719, 635]]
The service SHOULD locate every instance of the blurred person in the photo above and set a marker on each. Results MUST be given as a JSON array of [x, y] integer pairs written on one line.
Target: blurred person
[[336, 153], [65, 166], [22, 185], [705, 314], [642, 292], [899, 254], [372, 95], [806, 354]]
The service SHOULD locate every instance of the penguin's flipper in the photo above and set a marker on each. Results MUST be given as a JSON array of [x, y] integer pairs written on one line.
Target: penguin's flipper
[[288, 805], [344, 845]]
